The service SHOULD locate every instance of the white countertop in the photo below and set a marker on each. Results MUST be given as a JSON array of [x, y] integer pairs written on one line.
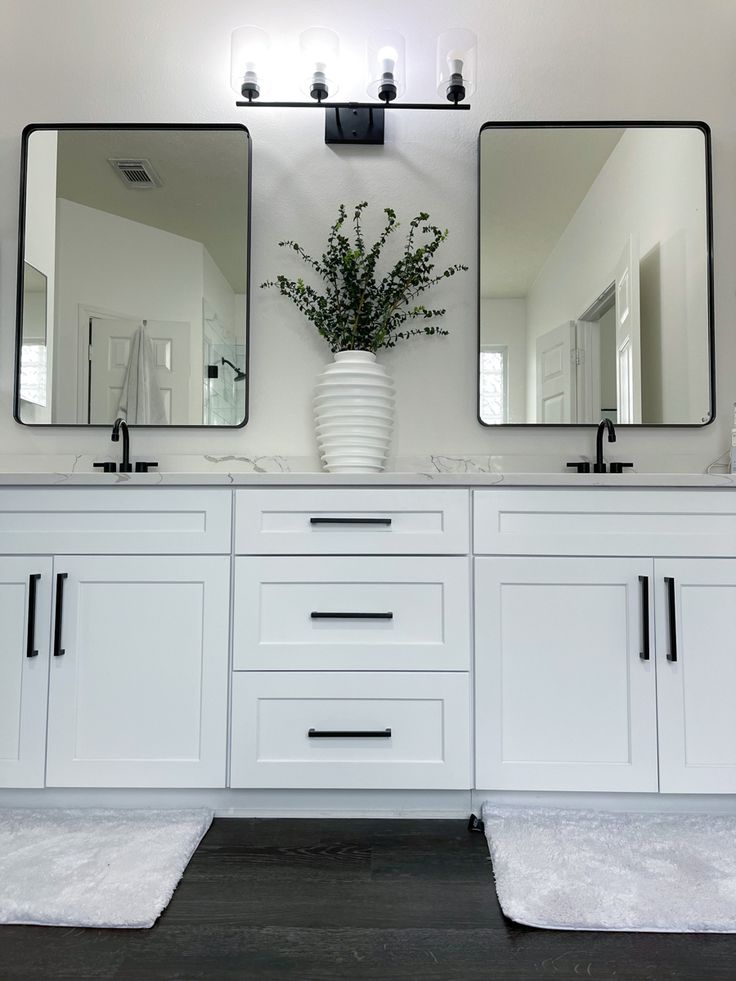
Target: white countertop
[[312, 479]]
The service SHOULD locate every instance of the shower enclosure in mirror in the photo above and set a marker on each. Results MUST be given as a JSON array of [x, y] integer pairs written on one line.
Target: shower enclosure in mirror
[[595, 274], [133, 275]]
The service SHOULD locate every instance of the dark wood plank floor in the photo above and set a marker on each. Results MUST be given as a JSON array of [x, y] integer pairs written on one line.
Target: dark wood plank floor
[[345, 901]]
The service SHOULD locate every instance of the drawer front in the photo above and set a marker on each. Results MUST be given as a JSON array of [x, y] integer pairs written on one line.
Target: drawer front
[[115, 521], [352, 522], [408, 613], [409, 731], [595, 521]]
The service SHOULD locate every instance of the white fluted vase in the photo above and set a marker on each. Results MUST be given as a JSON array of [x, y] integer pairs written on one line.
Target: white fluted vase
[[354, 413]]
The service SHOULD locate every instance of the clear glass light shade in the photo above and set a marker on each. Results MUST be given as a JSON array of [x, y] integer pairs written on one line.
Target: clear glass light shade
[[320, 54], [248, 56], [457, 64], [386, 66]]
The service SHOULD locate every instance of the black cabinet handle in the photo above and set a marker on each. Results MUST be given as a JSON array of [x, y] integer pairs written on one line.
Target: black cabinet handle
[[316, 615], [672, 617], [32, 582], [644, 582], [356, 733], [60, 577], [350, 521]]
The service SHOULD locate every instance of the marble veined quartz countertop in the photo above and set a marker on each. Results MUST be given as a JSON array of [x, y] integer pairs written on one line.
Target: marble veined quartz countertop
[[279, 471]]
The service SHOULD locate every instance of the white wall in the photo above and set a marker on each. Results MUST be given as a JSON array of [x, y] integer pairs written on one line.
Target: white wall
[[157, 60], [503, 322], [652, 185], [122, 268]]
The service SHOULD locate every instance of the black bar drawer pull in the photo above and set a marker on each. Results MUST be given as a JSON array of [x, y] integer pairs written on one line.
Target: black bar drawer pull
[[60, 577], [32, 582], [355, 733], [316, 615], [672, 617], [350, 521], [644, 582]]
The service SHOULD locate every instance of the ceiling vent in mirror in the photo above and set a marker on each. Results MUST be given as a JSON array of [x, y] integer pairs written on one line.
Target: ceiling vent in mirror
[[137, 174]]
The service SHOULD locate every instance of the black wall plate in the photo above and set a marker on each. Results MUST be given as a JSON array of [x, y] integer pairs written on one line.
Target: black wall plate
[[354, 125]]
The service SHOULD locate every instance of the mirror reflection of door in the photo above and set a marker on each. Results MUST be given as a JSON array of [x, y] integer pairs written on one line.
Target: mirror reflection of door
[[595, 272], [556, 375], [569, 371], [110, 347], [628, 336]]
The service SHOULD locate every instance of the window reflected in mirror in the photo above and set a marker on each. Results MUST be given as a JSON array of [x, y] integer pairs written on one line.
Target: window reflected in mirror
[[595, 274], [135, 250]]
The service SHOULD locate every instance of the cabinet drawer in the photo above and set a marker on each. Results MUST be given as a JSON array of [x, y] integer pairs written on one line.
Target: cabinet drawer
[[595, 521], [408, 731], [407, 613], [115, 521], [351, 522]]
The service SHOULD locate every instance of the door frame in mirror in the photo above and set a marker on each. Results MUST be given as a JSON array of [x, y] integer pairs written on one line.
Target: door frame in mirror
[[617, 124], [166, 127]]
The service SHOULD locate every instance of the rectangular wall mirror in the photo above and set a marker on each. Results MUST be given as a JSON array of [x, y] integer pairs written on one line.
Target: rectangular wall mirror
[[133, 275], [595, 274]]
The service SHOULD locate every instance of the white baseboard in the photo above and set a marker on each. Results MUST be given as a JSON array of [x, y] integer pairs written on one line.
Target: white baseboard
[[424, 804], [694, 803], [259, 803]]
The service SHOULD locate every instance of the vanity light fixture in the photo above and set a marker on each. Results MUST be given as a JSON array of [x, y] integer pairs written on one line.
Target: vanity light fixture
[[457, 56], [354, 122], [320, 51]]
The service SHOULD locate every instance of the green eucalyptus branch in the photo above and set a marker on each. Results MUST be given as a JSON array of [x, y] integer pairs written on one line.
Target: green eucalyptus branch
[[360, 309]]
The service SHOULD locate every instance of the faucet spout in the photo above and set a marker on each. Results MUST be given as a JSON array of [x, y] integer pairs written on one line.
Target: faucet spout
[[604, 426], [120, 425]]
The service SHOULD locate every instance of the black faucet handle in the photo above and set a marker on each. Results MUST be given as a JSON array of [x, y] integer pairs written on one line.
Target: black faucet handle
[[143, 466], [582, 466], [109, 466], [618, 467]]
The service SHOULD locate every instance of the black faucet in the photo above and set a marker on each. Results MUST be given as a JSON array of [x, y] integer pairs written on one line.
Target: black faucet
[[125, 466], [605, 424]]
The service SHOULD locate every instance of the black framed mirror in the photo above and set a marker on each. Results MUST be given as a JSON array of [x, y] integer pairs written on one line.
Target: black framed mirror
[[595, 274], [133, 275]]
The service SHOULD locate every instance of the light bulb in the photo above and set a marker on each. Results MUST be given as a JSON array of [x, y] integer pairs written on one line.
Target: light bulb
[[455, 62], [388, 57]]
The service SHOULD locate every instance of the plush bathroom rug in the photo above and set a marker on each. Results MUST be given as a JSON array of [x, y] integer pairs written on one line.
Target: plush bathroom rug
[[93, 868], [593, 870]]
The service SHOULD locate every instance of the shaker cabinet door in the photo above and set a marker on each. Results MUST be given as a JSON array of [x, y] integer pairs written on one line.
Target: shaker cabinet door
[[696, 675], [25, 596], [139, 672], [565, 675]]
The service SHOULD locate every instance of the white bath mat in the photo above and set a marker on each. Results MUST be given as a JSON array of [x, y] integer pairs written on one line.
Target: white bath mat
[[591, 870], [91, 867]]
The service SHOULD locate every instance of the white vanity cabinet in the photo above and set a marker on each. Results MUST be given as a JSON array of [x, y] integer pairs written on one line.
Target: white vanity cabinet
[[25, 616], [351, 640], [564, 697], [138, 684], [605, 673], [696, 674], [132, 640]]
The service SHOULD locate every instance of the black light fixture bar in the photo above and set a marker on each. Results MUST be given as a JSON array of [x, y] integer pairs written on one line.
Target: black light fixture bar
[[353, 122], [353, 105]]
